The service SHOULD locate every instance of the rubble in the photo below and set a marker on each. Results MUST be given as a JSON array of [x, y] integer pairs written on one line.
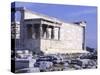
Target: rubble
[[62, 62]]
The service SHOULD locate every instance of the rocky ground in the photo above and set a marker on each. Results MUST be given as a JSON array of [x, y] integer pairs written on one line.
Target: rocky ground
[[61, 62]]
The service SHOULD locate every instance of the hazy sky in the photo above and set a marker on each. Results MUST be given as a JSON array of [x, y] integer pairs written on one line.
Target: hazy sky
[[69, 13]]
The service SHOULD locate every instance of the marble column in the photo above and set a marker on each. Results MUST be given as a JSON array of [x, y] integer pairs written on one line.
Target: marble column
[[41, 31], [59, 34], [84, 40]]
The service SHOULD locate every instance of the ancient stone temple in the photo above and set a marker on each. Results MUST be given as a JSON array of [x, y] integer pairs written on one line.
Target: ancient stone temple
[[40, 33]]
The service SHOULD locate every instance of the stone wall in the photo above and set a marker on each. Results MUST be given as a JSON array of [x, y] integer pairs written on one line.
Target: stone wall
[[71, 39], [72, 36]]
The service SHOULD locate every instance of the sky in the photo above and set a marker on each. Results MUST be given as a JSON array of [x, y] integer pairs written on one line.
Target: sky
[[69, 13]]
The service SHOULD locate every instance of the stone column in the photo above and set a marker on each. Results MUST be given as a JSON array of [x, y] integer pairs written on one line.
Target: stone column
[[41, 31], [47, 32], [52, 33], [59, 34], [22, 28], [83, 24], [84, 40], [56, 33]]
